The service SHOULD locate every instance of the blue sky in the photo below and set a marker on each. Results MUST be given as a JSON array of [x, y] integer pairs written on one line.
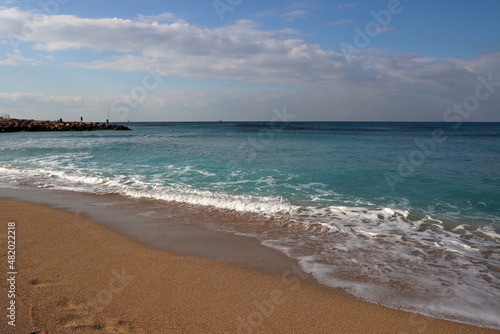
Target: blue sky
[[408, 60]]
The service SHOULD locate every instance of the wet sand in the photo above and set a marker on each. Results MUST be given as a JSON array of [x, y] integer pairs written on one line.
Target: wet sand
[[79, 276]]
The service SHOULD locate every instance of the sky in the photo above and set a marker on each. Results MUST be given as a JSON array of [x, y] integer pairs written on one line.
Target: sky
[[206, 60]]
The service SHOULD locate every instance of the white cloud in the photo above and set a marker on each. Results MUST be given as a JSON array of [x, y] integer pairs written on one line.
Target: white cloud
[[489, 62], [423, 59], [417, 101], [383, 30], [163, 17], [173, 106], [294, 15], [238, 52], [266, 13], [198, 105], [17, 59], [245, 52], [340, 22], [448, 78]]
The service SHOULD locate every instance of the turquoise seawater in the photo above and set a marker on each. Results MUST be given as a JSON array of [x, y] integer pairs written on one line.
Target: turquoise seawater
[[411, 207]]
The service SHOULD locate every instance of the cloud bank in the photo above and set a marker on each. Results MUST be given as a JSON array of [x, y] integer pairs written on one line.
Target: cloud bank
[[245, 52]]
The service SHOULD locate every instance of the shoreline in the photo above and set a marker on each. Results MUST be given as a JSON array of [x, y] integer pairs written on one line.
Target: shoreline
[[161, 226], [69, 269]]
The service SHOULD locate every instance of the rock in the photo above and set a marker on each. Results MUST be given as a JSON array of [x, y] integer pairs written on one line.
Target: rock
[[15, 125]]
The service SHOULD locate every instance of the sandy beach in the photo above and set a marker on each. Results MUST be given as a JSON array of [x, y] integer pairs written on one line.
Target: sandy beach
[[77, 276]]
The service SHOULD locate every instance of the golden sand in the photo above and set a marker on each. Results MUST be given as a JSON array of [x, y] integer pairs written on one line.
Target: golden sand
[[77, 276]]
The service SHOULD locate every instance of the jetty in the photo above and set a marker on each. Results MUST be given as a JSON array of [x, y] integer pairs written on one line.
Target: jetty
[[16, 125]]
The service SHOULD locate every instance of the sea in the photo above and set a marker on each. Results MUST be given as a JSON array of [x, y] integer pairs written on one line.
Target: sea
[[405, 215]]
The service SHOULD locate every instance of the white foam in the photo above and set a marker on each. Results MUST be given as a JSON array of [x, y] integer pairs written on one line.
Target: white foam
[[378, 246], [380, 261], [137, 187]]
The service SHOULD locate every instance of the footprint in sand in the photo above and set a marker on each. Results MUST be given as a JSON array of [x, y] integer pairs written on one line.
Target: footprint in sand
[[103, 325], [39, 284], [79, 318]]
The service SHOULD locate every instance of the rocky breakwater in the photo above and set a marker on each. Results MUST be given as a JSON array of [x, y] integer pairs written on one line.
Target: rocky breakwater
[[15, 125]]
